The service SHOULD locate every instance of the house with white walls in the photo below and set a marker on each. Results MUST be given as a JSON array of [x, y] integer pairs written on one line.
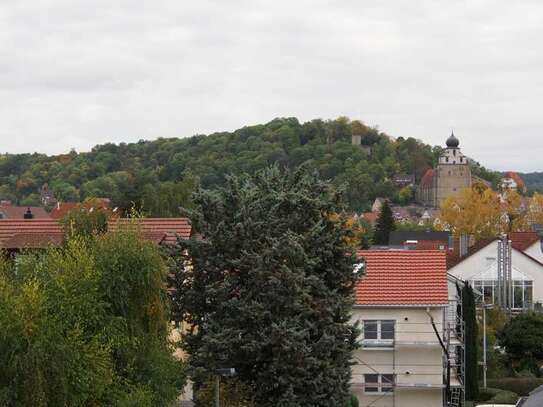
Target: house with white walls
[[479, 266], [406, 306]]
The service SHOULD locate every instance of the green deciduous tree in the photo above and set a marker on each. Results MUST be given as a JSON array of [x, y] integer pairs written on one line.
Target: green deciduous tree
[[269, 289], [87, 325], [384, 225], [522, 339]]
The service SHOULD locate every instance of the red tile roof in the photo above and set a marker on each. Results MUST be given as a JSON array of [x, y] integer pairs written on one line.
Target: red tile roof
[[427, 179], [432, 245], [403, 277], [9, 211], [158, 229], [519, 241], [517, 178], [523, 240], [33, 240], [37, 233], [371, 217], [9, 228], [63, 208]]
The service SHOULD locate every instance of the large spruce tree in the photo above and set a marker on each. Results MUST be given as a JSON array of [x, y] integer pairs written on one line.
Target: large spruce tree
[[385, 224], [267, 288]]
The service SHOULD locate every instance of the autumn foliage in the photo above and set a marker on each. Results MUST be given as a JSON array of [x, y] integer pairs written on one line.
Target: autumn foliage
[[484, 213]]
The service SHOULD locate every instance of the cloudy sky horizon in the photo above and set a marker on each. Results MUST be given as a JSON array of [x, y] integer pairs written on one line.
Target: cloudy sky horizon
[[77, 74]]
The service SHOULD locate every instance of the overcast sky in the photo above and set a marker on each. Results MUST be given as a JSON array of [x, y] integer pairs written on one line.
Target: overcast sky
[[78, 73]]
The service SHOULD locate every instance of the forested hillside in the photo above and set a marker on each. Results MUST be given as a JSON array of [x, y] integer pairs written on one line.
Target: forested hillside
[[533, 180], [159, 175]]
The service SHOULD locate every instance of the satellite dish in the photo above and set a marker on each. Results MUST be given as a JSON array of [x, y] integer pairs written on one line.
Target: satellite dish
[[359, 269]]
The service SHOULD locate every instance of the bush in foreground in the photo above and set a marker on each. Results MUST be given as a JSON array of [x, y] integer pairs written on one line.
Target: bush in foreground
[[87, 325]]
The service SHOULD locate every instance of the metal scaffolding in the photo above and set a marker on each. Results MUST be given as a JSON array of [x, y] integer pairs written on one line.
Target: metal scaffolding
[[505, 277], [450, 335]]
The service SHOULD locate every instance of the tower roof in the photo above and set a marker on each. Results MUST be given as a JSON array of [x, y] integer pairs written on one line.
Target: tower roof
[[452, 141]]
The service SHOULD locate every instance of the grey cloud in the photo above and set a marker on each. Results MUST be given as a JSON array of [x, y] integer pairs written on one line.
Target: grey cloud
[[74, 74]]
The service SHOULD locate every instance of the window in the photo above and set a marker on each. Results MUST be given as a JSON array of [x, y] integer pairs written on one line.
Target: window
[[379, 333], [370, 329], [522, 292], [379, 383]]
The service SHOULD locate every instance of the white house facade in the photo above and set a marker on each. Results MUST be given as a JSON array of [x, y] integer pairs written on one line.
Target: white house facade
[[407, 322], [480, 268]]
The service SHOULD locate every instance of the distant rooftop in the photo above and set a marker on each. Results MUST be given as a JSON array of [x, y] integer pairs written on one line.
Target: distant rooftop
[[398, 238]]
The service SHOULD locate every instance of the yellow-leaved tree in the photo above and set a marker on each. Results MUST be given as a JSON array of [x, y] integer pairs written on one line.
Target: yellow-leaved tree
[[474, 211], [535, 210], [484, 213]]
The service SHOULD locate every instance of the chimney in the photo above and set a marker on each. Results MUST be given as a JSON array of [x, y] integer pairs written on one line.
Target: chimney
[[464, 245], [28, 214]]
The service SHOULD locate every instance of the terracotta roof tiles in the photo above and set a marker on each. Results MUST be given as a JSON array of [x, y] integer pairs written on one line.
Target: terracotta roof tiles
[[523, 240], [18, 212], [403, 278], [427, 179], [38, 233]]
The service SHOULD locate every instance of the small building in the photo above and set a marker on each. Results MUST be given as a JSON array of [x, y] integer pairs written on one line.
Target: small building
[[479, 266], [403, 214], [450, 177], [403, 180], [404, 298], [377, 204], [17, 235], [421, 240], [47, 197], [61, 209], [370, 217], [511, 180]]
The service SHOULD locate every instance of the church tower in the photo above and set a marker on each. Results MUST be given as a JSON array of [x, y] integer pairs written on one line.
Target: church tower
[[453, 172]]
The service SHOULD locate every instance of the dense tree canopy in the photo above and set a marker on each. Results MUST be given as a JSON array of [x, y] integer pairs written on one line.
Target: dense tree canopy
[[521, 338], [484, 213], [159, 175], [269, 289], [87, 325]]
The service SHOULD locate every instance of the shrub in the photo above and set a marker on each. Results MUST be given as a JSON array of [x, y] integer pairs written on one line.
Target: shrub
[[493, 395], [504, 396], [354, 401], [520, 385]]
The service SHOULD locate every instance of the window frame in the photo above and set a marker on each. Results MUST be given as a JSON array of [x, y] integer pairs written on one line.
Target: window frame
[[380, 384], [378, 342]]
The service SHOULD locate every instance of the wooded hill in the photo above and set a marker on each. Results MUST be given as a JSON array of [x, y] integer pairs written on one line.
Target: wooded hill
[[533, 180], [160, 175]]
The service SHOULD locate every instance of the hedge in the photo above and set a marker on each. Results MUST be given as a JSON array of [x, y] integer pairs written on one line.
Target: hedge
[[520, 385], [491, 395]]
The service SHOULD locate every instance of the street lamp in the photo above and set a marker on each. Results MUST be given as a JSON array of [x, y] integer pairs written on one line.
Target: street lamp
[[225, 372]]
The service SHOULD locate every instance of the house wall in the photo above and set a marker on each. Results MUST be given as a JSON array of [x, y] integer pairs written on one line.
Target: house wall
[[479, 262], [535, 251], [412, 364], [175, 336]]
